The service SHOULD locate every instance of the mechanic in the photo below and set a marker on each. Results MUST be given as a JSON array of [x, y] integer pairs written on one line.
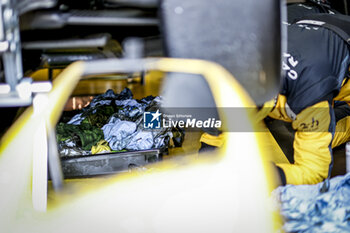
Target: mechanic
[[295, 11], [315, 86]]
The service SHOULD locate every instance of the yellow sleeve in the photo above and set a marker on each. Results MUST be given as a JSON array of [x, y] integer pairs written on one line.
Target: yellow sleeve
[[312, 145], [212, 140]]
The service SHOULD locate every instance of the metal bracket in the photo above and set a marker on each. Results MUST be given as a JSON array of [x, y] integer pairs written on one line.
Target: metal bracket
[[23, 94], [10, 41]]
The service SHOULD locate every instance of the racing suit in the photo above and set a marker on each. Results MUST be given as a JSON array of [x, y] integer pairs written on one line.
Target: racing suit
[[316, 67]]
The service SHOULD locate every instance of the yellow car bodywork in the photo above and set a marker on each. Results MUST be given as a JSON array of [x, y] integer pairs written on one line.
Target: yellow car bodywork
[[225, 192]]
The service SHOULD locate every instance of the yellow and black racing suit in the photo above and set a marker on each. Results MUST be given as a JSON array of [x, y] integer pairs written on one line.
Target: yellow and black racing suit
[[315, 66]]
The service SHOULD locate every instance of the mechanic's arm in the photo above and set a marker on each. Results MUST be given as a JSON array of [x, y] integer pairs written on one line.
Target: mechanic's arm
[[314, 127]]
